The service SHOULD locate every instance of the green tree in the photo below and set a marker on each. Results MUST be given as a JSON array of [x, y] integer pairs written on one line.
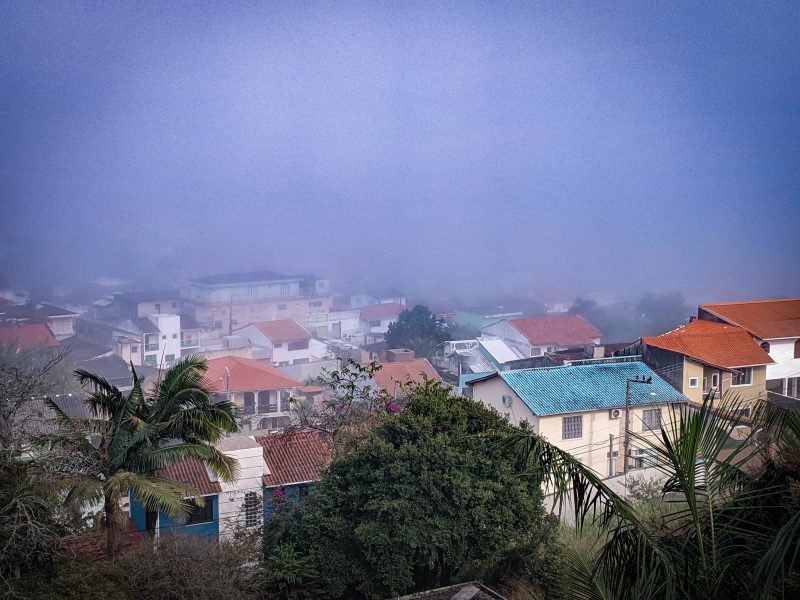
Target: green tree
[[423, 500], [130, 436], [419, 330]]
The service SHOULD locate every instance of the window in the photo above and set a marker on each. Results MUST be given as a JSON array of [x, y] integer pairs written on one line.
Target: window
[[249, 403], [744, 411], [536, 351], [612, 462], [252, 291], [174, 336], [134, 349], [285, 289], [201, 514], [572, 427], [264, 423], [651, 419], [163, 337], [267, 402], [315, 304], [643, 458], [743, 377], [765, 346], [150, 359], [715, 380], [169, 358], [693, 381], [174, 305], [281, 307], [158, 307], [252, 509], [375, 323], [302, 492], [278, 345], [705, 384], [303, 345]]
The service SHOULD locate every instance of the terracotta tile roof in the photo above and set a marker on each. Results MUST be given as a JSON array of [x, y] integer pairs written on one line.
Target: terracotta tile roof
[[296, 457], [564, 330], [285, 330], [91, 544], [27, 336], [246, 375], [403, 373], [715, 344], [382, 311], [765, 319], [192, 472]]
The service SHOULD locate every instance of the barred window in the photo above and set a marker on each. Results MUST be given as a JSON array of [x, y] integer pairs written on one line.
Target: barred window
[[743, 377], [651, 419], [252, 509], [572, 427]]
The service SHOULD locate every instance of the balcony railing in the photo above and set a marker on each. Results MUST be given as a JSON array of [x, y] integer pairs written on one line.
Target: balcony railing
[[190, 343], [149, 347]]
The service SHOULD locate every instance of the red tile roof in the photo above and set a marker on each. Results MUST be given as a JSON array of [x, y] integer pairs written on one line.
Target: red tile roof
[[382, 311], [765, 319], [403, 373], [284, 330], [91, 544], [297, 457], [27, 336], [192, 472], [714, 344], [563, 330], [246, 375]]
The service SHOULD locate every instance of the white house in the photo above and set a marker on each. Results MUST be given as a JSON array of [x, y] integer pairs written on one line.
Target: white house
[[776, 325], [339, 324], [283, 342], [376, 318], [533, 336]]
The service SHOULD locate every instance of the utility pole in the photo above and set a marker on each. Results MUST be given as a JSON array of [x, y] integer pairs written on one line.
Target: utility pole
[[628, 382]]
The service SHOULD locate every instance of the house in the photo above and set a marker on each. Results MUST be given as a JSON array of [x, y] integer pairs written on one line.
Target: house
[[704, 357], [280, 467], [60, 321], [479, 317], [153, 340], [295, 463], [388, 296], [582, 408], [225, 302], [776, 326], [26, 336], [396, 376], [262, 392], [225, 505], [283, 342], [130, 305], [533, 336], [339, 324], [376, 318], [190, 335]]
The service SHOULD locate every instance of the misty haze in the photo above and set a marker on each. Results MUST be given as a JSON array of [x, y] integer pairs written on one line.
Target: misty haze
[[365, 300]]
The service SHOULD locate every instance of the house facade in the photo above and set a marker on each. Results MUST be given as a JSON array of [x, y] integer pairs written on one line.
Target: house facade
[[261, 392], [225, 302], [534, 336], [706, 357], [283, 342], [581, 408], [376, 318], [60, 321], [775, 324]]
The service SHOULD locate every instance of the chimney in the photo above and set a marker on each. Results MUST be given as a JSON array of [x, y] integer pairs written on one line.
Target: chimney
[[598, 351]]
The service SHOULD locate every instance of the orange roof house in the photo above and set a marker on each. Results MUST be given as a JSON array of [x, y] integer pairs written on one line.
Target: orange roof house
[[765, 319], [394, 376], [566, 331], [235, 374], [295, 458], [283, 331], [27, 336]]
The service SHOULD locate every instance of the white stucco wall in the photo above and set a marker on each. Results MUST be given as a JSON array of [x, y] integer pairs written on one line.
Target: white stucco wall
[[169, 342], [786, 365], [250, 455]]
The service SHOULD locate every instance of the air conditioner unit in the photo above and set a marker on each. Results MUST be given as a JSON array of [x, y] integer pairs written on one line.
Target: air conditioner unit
[[614, 413], [507, 401]]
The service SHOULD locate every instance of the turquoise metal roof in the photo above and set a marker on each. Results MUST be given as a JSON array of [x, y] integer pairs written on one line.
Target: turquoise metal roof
[[578, 388]]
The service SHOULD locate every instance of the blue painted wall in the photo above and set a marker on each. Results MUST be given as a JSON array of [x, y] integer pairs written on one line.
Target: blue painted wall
[[167, 525], [292, 494]]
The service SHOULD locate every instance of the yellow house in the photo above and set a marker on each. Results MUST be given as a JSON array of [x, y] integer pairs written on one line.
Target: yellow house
[[705, 357], [582, 408]]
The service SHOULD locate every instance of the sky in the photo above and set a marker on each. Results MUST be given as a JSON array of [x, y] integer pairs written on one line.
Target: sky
[[448, 148]]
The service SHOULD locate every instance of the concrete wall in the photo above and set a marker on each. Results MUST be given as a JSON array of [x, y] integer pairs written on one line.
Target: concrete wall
[[786, 365], [244, 312], [250, 455]]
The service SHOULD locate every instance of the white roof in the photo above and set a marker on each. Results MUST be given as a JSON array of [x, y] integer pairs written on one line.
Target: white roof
[[499, 350]]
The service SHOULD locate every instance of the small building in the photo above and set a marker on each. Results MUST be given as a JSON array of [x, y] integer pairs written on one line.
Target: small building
[[26, 336], [581, 408], [533, 336], [283, 342], [376, 318], [261, 392], [60, 321], [705, 357], [775, 324]]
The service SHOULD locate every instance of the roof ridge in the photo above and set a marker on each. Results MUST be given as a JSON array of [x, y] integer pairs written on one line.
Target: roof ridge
[[750, 302]]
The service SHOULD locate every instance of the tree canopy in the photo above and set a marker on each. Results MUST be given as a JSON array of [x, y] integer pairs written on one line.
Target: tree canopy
[[422, 500], [417, 329]]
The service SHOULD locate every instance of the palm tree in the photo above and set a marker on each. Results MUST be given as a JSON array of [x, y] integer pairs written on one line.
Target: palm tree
[[725, 532], [129, 437]]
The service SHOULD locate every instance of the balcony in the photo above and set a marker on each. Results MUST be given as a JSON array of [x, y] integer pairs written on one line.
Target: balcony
[[190, 343], [150, 347]]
